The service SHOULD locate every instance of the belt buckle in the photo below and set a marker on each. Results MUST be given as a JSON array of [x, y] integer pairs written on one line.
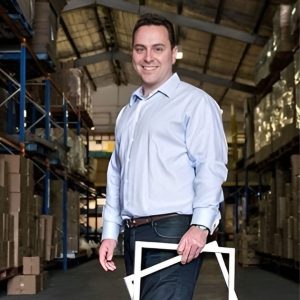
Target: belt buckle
[[126, 223], [129, 223]]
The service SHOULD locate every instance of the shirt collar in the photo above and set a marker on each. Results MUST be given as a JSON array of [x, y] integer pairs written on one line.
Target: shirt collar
[[168, 89]]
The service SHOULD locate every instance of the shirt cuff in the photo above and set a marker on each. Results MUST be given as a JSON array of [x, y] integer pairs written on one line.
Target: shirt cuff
[[208, 217], [110, 231]]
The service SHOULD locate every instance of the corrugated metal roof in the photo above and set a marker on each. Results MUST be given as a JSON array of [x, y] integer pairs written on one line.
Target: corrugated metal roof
[[212, 34]]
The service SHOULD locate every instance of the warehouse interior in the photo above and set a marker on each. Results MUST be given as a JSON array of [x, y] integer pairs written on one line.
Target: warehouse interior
[[65, 74]]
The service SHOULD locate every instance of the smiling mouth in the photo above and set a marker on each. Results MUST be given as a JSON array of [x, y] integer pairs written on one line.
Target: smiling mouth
[[149, 68]]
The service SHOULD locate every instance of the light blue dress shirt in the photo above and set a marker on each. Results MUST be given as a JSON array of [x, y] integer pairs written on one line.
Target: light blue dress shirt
[[170, 156]]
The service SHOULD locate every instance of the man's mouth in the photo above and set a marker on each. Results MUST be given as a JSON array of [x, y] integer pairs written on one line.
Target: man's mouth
[[149, 68]]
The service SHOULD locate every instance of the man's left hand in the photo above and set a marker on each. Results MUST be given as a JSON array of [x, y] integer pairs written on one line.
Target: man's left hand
[[191, 244]]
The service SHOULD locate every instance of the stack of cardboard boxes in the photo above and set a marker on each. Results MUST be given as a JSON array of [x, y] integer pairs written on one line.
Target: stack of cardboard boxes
[[32, 279], [24, 232], [19, 209], [73, 227]]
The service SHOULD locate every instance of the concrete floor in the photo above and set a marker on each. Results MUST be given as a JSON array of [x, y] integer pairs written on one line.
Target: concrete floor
[[89, 281]]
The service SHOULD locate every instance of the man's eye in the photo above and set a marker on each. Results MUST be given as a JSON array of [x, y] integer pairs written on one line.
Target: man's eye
[[158, 49], [139, 50]]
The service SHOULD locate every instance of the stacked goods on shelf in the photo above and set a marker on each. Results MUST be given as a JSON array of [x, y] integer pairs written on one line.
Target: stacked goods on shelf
[[32, 280], [22, 206], [75, 85], [283, 236], [49, 236], [283, 39], [262, 128], [295, 198], [76, 155], [266, 222], [6, 232], [275, 121], [262, 66], [72, 218], [23, 231], [283, 120], [45, 26], [279, 213], [247, 245], [246, 241], [275, 54]]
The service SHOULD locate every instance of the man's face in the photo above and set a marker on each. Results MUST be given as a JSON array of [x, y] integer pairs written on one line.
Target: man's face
[[152, 56]]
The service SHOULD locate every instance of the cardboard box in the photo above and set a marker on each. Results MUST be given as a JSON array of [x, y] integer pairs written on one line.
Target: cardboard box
[[16, 163], [24, 285], [48, 235], [15, 201], [15, 183], [32, 265]]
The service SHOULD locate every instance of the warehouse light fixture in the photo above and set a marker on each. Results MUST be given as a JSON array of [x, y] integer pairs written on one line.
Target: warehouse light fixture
[[93, 128], [179, 54]]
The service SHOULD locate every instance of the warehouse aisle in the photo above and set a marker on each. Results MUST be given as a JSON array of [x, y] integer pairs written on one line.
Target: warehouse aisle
[[88, 281]]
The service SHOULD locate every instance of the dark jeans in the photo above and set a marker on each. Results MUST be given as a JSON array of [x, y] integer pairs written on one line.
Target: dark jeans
[[176, 282]]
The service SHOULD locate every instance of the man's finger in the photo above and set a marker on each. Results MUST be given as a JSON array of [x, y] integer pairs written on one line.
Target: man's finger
[[110, 265], [181, 246]]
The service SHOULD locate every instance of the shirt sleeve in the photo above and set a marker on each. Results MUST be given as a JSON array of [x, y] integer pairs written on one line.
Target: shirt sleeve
[[207, 150], [112, 220], [111, 214]]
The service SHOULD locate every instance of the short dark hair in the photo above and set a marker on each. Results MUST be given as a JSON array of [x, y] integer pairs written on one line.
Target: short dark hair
[[154, 19]]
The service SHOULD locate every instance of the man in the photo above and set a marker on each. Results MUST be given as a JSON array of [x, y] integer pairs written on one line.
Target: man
[[165, 175]]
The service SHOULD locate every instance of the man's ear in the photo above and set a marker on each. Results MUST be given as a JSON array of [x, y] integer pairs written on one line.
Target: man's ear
[[174, 53]]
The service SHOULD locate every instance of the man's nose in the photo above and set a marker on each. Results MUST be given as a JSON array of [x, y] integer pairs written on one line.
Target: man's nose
[[148, 55]]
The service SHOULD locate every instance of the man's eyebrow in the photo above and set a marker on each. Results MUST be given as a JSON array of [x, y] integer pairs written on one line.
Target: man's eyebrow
[[159, 44], [139, 45], [155, 45]]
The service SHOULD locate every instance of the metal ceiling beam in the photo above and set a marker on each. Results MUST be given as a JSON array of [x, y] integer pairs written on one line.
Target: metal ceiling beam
[[107, 46], [238, 18], [76, 4], [93, 59], [213, 37], [67, 33], [177, 20], [181, 71], [121, 74]]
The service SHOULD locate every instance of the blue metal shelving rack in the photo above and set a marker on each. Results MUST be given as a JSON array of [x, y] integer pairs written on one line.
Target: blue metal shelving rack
[[18, 94], [20, 99]]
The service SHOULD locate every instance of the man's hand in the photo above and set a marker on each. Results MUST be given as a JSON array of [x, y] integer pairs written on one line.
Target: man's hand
[[191, 244], [106, 252]]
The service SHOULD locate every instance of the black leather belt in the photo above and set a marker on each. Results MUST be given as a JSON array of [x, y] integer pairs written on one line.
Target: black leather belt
[[135, 222]]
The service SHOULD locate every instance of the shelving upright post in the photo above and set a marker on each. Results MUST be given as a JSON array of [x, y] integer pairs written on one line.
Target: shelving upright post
[[22, 98], [65, 192], [46, 199]]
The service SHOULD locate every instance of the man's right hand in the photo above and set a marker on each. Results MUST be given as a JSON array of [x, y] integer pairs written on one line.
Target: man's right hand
[[106, 252]]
